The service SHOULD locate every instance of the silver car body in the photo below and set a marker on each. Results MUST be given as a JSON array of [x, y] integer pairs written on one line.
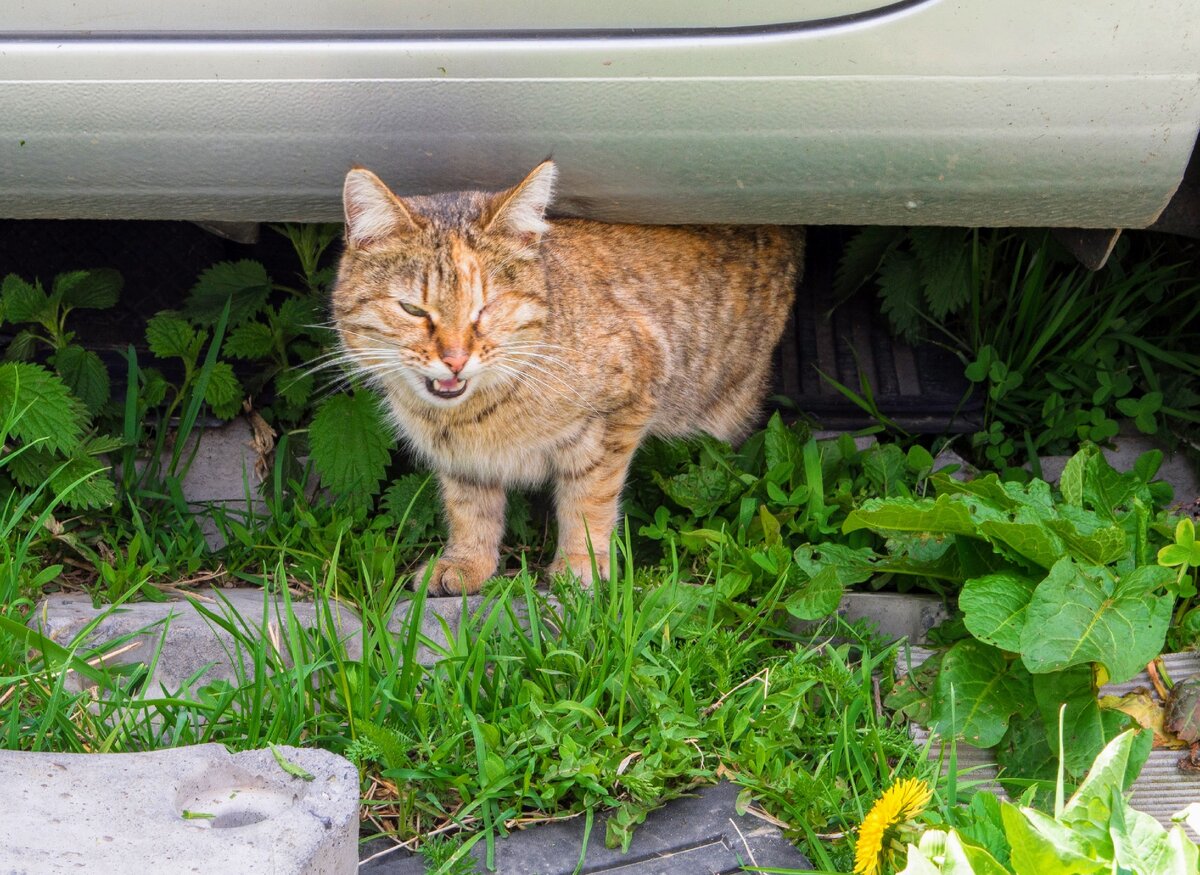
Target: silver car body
[[957, 112]]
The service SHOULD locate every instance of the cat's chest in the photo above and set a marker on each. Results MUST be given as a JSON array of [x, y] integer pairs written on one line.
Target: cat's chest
[[503, 447]]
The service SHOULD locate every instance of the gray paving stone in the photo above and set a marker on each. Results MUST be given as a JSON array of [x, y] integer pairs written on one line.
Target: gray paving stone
[[697, 835], [124, 813], [894, 615], [192, 642], [224, 471]]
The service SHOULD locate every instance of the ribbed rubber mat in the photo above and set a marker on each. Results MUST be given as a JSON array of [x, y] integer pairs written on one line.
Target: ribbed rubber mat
[[922, 389]]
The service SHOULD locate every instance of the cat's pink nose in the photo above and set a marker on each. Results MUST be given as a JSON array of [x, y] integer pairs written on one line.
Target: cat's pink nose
[[455, 359]]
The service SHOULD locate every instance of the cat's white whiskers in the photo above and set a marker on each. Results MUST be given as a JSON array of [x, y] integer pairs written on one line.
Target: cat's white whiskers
[[534, 381]]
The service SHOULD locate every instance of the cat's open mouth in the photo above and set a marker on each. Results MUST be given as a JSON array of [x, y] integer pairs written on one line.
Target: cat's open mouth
[[451, 388]]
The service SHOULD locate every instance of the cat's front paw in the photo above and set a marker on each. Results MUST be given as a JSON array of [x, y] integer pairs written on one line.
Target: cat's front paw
[[579, 566], [453, 577]]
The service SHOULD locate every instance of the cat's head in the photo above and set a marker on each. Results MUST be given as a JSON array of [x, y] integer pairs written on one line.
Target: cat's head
[[443, 294]]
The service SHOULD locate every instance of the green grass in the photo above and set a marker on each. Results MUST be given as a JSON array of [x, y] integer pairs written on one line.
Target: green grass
[[541, 706]]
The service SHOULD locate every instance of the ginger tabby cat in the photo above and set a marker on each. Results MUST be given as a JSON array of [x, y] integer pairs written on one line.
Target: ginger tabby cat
[[514, 350]]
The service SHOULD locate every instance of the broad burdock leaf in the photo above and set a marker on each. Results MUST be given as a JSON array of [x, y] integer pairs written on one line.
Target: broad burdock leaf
[[244, 284], [23, 302], [829, 569], [944, 515], [1086, 726], [1082, 614], [1027, 536], [976, 693], [84, 372], [351, 445], [44, 407], [170, 336], [250, 340], [994, 607], [1113, 770], [94, 289]]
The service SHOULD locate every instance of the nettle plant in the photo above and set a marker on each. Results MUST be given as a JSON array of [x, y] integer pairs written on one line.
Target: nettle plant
[[240, 341], [1058, 354], [1060, 591]]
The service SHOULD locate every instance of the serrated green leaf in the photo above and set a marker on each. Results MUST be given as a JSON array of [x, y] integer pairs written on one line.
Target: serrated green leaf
[[244, 284], [994, 607], [223, 392], [350, 444], [83, 484], [22, 347], [413, 500], [250, 340], [296, 315], [24, 302], [862, 256], [294, 387], [900, 294], [1083, 614], [85, 374], [816, 597], [46, 410], [94, 289], [102, 443], [944, 262], [170, 336], [976, 693]]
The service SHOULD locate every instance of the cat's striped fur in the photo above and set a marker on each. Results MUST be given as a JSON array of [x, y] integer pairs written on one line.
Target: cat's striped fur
[[513, 350]]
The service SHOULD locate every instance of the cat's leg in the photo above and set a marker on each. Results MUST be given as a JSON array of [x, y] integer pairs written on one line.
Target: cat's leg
[[475, 514], [587, 494]]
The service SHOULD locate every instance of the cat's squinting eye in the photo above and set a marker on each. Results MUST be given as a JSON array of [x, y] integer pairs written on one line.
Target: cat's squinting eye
[[413, 310]]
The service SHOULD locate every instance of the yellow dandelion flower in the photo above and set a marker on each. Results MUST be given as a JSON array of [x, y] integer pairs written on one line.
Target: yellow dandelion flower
[[900, 802]]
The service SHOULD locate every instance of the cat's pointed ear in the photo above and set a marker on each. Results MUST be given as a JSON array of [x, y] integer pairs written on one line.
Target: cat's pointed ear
[[521, 210], [372, 211]]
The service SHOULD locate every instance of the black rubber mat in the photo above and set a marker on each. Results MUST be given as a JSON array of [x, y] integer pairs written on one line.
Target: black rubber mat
[[922, 389]]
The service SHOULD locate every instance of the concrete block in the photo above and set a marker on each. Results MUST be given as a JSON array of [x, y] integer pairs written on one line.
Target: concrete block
[[227, 465], [894, 615], [192, 642], [124, 813]]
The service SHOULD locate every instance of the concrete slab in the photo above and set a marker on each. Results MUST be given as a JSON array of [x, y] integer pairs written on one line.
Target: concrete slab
[[226, 469], [894, 615], [192, 642], [697, 835], [123, 813]]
